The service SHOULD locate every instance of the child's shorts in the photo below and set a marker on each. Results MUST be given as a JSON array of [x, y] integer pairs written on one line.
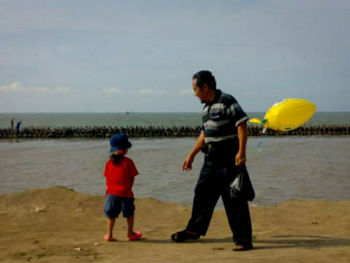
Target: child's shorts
[[115, 204]]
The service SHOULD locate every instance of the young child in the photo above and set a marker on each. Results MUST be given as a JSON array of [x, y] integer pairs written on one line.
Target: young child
[[120, 172]]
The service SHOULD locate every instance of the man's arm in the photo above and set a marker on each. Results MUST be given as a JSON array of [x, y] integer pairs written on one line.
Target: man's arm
[[242, 138], [187, 164]]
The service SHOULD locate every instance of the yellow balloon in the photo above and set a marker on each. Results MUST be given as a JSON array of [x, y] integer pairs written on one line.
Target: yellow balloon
[[255, 120], [288, 114]]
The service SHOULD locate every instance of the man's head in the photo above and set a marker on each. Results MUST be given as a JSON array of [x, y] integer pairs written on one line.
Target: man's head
[[204, 85]]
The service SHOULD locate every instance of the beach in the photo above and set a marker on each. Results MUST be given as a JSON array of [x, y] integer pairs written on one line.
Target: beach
[[300, 213], [60, 225]]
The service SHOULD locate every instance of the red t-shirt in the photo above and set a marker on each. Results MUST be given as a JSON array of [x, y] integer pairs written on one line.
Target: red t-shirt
[[120, 177]]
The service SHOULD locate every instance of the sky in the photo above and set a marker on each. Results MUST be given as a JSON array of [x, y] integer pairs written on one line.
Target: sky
[[140, 56]]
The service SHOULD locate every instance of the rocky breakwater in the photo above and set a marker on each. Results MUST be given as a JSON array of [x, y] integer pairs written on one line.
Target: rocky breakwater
[[157, 132], [99, 132]]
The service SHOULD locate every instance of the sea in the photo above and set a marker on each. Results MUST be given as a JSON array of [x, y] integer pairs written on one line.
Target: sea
[[128, 119], [282, 168]]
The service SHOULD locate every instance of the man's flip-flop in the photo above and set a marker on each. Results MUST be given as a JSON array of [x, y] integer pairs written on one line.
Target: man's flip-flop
[[136, 236], [106, 238], [182, 236]]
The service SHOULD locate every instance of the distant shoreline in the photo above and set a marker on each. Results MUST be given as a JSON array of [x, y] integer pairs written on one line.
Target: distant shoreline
[[145, 120], [139, 112]]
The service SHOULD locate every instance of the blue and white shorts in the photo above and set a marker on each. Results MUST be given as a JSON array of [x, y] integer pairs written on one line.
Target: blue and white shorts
[[114, 205]]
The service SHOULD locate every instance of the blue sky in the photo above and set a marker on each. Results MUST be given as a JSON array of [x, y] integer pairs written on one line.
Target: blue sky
[[113, 56]]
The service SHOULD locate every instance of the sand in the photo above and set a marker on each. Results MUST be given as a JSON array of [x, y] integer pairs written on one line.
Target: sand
[[60, 225]]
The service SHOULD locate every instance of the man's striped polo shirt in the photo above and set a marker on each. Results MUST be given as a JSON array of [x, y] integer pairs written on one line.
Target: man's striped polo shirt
[[221, 118]]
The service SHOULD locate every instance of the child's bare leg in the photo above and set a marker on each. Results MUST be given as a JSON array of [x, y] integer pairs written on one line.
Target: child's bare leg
[[130, 221], [110, 226]]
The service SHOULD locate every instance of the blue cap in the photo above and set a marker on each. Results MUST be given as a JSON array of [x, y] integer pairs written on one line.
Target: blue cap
[[119, 141]]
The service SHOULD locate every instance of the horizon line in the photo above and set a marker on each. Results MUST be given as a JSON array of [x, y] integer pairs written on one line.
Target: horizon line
[[126, 112]]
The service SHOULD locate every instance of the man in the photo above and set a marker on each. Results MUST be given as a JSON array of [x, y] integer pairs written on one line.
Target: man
[[223, 139], [18, 128]]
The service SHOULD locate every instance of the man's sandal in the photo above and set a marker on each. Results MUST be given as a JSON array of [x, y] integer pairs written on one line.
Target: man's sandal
[[242, 247], [184, 235]]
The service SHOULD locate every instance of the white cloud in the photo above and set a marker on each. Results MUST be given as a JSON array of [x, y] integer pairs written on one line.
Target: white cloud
[[20, 88], [15, 86], [161, 91], [146, 91], [62, 90], [152, 91], [113, 90], [186, 91]]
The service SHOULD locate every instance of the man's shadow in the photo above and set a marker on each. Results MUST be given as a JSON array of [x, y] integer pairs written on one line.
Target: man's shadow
[[201, 240], [300, 241], [276, 242]]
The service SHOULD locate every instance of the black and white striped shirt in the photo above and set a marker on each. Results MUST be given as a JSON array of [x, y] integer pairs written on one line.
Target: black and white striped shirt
[[221, 118]]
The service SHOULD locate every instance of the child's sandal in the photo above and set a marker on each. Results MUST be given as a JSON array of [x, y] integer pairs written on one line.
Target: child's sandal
[[136, 236], [108, 239]]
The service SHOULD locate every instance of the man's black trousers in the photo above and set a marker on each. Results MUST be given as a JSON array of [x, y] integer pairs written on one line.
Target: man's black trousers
[[214, 181]]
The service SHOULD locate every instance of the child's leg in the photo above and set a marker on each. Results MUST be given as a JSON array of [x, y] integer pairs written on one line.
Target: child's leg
[[110, 226], [128, 208], [112, 209], [130, 221], [131, 234]]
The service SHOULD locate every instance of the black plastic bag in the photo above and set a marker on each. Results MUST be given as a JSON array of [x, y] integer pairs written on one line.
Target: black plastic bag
[[241, 186]]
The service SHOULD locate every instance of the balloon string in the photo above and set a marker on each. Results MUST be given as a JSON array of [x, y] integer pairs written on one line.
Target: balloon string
[[258, 147]]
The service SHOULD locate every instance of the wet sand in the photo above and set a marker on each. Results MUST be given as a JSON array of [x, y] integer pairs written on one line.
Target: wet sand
[[60, 225]]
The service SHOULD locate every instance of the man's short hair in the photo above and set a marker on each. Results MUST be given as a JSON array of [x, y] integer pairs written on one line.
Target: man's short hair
[[205, 77]]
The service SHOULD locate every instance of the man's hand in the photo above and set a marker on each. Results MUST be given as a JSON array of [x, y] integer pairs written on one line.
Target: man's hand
[[242, 138], [240, 159], [187, 164]]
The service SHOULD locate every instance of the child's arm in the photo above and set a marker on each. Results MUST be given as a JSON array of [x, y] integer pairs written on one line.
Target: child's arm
[[106, 170], [132, 180], [133, 172]]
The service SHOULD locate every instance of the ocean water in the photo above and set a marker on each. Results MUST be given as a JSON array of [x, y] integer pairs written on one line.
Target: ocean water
[[139, 119], [293, 167]]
